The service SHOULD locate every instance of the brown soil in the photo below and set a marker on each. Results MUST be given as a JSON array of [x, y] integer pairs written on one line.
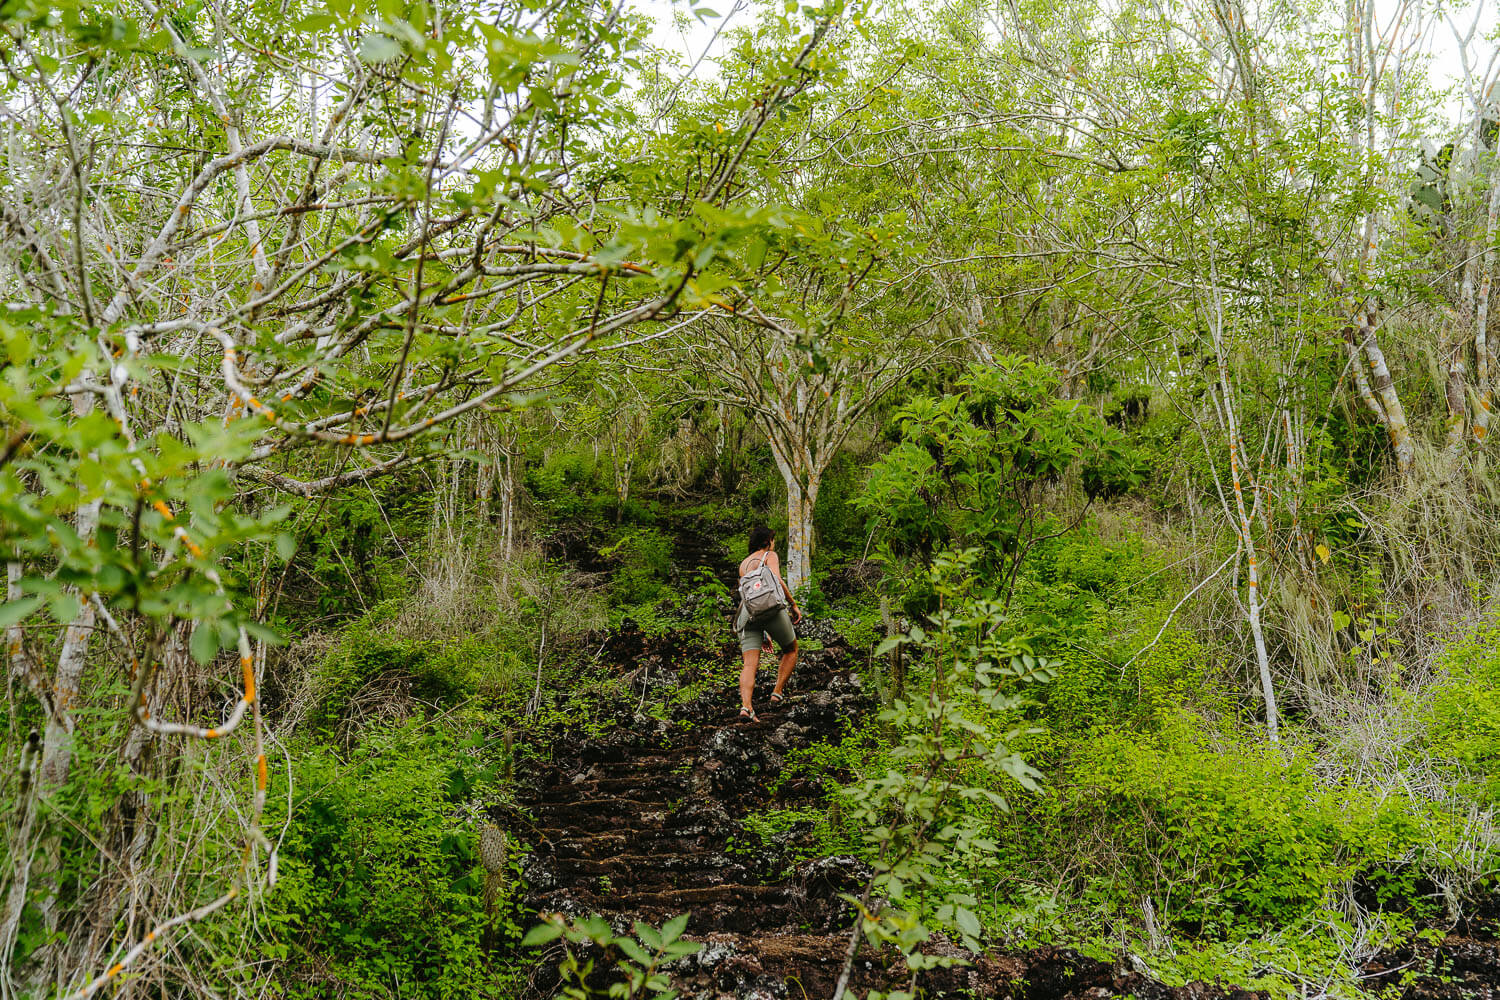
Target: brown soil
[[1463, 965]]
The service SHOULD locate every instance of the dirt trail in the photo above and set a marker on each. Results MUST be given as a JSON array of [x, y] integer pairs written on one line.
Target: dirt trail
[[646, 823]]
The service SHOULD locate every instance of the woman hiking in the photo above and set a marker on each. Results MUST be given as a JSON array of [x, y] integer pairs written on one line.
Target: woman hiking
[[755, 631]]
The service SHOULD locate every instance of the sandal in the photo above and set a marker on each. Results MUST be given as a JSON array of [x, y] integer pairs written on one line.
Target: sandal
[[777, 697], [748, 715]]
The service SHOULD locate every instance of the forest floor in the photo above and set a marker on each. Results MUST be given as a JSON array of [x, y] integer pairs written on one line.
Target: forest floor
[[647, 819]]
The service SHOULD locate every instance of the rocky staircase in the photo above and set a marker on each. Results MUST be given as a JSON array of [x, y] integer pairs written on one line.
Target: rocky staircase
[[646, 823]]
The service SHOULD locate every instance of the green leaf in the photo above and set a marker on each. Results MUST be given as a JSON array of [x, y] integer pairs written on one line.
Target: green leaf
[[967, 922], [377, 48], [265, 634], [672, 929], [541, 934], [63, 607], [12, 612], [205, 642], [648, 935], [633, 950]]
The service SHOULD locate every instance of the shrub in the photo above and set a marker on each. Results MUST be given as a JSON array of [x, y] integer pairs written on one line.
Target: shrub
[[1463, 711], [811, 599], [365, 654], [565, 484], [380, 891], [1104, 567], [642, 562], [1169, 676], [971, 469], [839, 524], [1225, 838]]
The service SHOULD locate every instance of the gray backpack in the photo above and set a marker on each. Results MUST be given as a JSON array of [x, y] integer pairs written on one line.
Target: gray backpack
[[760, 593]]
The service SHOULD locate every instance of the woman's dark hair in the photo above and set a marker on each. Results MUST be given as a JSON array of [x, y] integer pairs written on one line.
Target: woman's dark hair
[[760, 537]]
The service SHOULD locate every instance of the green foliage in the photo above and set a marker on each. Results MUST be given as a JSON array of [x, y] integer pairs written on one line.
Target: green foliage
[[1092, 564], [808, 831], [1462, 710], [1077, 589], [611, 197], [1227, 837], [348, 557], [566, 484], [143, 524], [708, 598], [369, 651], [811, 599], [636, 961], [1172, 676], [969, 467], [838, 519], [928, 808], [380, 879], [1143, 689], [858, 622], [832, 829], [641, 560]]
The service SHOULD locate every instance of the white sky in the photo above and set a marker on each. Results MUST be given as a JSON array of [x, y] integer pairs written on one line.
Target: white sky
[[696, 40]]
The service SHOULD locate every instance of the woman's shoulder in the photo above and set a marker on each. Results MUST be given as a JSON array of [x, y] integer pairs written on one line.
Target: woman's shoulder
[[751, 561]]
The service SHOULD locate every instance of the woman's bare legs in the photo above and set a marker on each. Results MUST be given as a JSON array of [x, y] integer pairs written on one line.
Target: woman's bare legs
[[747, 677], [788, 661]]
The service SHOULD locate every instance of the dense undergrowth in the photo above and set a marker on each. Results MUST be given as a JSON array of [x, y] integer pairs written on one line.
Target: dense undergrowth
[[1068, 752], [1160, 825]]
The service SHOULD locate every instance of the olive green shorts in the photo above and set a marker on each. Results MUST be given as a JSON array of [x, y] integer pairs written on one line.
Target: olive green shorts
[[779, 628]]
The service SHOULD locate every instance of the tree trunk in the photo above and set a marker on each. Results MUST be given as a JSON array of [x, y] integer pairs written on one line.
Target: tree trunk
[[57, 742], [507, 505], [1263, 661], [1484, 351], [1361, 380], [1384, 388], [1242, 515], [57, 752], [1458, 409], [797, 457], [721, 438], [624, 470], [800, 499]]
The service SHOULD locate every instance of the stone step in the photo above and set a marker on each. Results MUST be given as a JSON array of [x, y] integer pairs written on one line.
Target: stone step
[[718, 907], [564, 844], [605, 814]]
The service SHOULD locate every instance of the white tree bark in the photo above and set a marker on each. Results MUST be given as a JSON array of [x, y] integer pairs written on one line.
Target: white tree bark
[[802, 483], [1240, 513]]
